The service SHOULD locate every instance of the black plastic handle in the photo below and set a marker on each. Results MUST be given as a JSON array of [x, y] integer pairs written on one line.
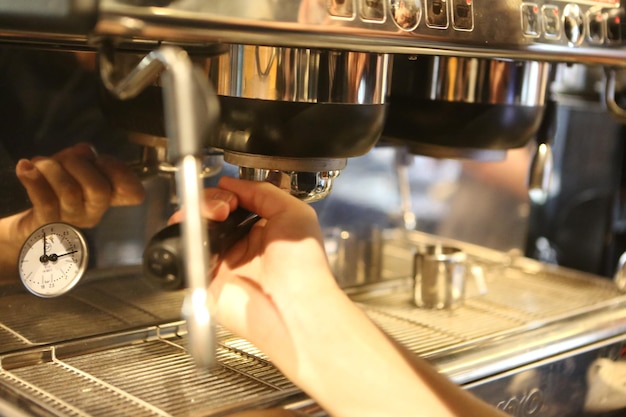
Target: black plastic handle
[[163, 264]]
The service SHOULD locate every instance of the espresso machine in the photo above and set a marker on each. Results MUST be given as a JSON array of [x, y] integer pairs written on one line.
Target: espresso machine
[[288, 92]]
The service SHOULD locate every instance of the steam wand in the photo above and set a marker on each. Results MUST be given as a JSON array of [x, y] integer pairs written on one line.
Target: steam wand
[[403, 161], [191, 111], [540, 175]]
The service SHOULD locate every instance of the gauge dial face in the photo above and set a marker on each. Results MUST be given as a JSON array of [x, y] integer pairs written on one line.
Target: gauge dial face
[[53, 259]]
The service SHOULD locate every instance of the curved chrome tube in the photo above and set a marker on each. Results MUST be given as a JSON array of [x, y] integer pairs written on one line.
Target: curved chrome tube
[[540, 175], [609, 95], [191, 108]]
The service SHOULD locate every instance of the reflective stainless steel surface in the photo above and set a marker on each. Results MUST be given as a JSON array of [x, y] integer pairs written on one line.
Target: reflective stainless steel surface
[[476, 29], [307, 186], [309, 180], [496, 105], [574, 31], [302, 75], [491, 81], [440, 274]]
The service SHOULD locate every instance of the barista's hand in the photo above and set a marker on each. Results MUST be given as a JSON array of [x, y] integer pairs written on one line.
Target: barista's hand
[[275, 288], [282, 256], [75, 186]]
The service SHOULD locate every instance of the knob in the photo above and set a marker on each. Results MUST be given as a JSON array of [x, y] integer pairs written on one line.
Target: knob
[[406, 14], [573, 24]]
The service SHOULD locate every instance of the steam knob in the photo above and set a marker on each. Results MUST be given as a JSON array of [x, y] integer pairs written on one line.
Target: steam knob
[[407, 14], [573, 24]]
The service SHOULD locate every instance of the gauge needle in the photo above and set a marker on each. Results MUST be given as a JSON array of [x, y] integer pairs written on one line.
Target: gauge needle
[[54, 257], [44, 258]]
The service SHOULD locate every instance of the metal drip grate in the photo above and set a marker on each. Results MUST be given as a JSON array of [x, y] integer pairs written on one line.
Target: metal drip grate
[[150, 378], [516, 301], [97, 307]]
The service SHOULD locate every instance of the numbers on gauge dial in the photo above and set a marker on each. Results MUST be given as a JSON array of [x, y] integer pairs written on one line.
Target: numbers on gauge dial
[[53, 259]]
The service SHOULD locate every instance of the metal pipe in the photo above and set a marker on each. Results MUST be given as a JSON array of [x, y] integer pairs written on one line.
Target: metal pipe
[[191, 109]]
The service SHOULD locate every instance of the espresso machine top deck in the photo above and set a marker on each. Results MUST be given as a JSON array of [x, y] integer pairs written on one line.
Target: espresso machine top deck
[[553, 30]]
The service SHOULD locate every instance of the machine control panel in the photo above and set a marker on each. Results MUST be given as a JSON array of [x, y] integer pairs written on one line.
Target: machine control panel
[[573, 24], [556, 22], [557, 30], [596, 25]]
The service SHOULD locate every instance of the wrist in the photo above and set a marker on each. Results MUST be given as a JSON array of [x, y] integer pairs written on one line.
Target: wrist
[[12, 236]]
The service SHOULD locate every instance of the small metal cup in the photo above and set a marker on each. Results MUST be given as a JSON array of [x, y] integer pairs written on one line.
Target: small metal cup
[[439, 273], [355, 258]]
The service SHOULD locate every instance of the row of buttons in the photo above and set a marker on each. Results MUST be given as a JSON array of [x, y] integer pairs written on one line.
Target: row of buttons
[[597, 26], [407, 14]]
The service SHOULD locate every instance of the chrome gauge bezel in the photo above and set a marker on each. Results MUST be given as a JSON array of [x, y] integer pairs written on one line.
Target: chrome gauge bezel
[[41, 271]]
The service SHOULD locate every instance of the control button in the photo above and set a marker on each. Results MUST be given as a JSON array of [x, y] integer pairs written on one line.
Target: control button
[[373, 10], [530, 20], [340, 8], [406, 13], [463, 15], [573, 24], [614, 26], [596, 28], [551, 22], [437, 14]]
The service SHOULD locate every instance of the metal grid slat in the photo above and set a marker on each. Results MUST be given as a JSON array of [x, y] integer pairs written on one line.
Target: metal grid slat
[[516, 300], [85, 396], [114, 304], [165, 305], [10, 340], [166, 377], [417, 338], [32, 317], [44, 399], [544, 295]]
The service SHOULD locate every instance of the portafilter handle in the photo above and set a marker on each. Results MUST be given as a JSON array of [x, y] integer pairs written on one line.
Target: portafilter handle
[[163, 261]]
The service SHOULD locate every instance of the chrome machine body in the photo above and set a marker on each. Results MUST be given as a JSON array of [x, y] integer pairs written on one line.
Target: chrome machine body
[[296, 88]]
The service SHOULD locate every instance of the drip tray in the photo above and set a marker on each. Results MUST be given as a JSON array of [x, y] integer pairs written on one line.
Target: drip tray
[[104, 302], [516, 301], [144, 373], [114, 346]]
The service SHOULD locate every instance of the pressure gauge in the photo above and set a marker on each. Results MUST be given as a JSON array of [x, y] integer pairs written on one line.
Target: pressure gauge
[[53, 259]]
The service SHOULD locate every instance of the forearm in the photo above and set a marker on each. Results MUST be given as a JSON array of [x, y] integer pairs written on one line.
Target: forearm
[[460, 402], [353, 369]]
